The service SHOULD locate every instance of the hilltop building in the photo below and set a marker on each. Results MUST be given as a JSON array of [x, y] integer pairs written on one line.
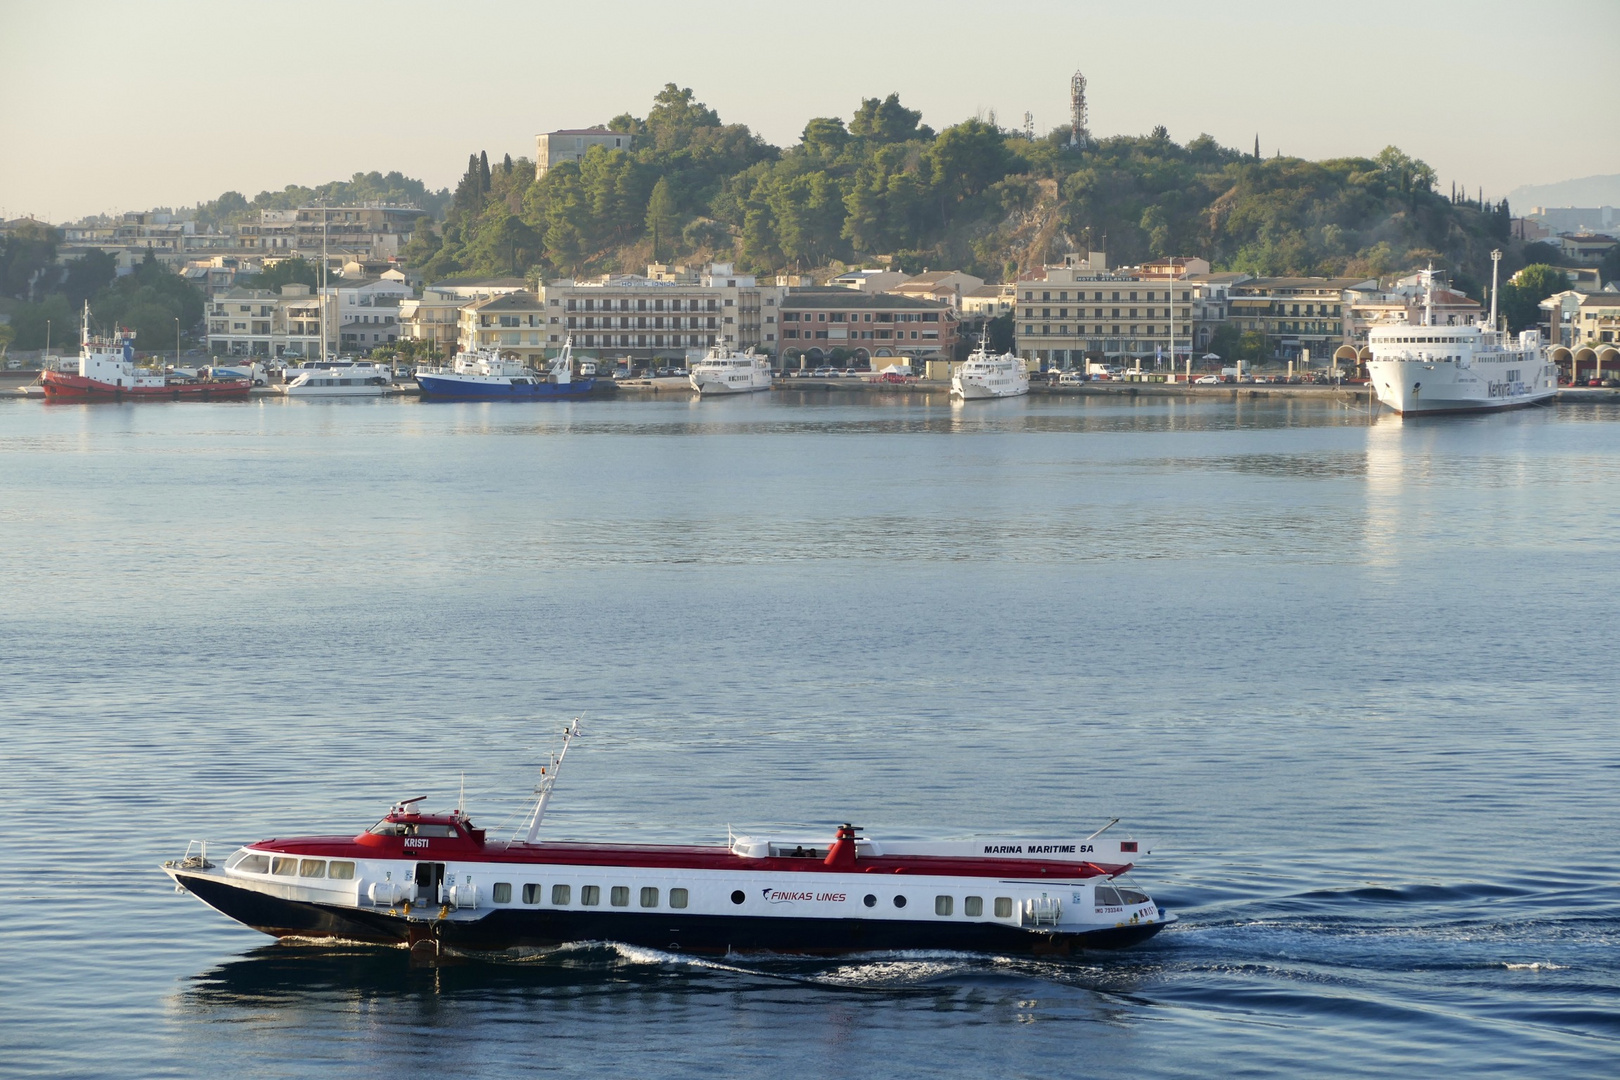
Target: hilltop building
[[571, 144]]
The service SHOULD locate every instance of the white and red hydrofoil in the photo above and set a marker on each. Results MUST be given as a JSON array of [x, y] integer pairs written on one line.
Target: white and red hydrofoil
[[435, 881]]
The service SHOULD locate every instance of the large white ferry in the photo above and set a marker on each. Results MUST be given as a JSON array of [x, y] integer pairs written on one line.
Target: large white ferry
[[1437, 369], [724, 371], [436, 881], [986, 376]]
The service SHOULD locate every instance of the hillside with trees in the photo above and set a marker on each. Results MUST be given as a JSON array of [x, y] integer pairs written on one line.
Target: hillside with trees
[[973, 196]]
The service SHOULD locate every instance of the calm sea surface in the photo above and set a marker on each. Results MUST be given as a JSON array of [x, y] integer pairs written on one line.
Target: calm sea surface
[[1355, 681]]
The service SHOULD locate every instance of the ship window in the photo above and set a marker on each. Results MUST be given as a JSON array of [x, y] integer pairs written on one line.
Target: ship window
[[869, 900], [388, 828], [430, 830], [590, 895], [1132, 896], [312, 868], [560, 895], [620, 896], [284, 867], [531, 893], [649, 896], [737, 896], [677, 898], [1107, 896], [899, 901], [943, 905], [340, 871], [502, 892], [1003, 907], [254, 864], [973, 906]]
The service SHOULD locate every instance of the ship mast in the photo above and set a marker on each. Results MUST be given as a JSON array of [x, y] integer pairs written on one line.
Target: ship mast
[[548, 780], [1496, 260]]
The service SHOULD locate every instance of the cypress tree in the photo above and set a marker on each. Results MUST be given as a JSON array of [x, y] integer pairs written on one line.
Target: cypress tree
[[483, 170]]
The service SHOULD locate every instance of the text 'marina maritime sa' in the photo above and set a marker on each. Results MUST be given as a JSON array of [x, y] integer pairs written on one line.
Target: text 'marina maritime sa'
[[437, 881]]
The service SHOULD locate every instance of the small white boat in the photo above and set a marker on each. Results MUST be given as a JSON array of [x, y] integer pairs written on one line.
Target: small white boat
[[724, 371], [985, 376], [359, 379]]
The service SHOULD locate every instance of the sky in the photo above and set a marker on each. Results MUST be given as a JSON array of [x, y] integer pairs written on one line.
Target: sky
[[107, 107]]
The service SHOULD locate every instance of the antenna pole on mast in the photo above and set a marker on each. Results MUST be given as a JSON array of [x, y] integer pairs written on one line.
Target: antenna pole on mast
[[548, 781]]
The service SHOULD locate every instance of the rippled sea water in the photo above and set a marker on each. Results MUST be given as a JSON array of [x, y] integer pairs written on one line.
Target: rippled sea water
[[1353, 679]]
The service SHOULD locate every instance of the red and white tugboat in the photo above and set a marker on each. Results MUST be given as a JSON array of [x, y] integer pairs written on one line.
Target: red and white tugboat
[[107, 372], [435, 881]]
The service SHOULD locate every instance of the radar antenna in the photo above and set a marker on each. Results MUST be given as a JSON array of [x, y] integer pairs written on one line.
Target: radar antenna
[[548, 780], [1079, 135]]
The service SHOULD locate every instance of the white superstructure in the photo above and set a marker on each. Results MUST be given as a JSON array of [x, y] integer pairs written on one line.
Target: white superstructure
[[360, 379], [986, 376], [724, 371], [1430, 369]]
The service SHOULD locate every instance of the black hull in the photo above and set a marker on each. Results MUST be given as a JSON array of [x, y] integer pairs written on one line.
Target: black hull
[[524, 928]]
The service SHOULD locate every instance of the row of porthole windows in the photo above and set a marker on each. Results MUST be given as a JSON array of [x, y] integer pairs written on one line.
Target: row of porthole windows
[[589, 895]]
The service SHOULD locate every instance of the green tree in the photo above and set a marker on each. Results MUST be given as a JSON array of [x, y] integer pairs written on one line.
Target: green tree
[[660, 216], [27, 259], [28, 324], [1609, 268], [676, 117], [88, 275], [825, 136], [1521, 298], [887, 121]]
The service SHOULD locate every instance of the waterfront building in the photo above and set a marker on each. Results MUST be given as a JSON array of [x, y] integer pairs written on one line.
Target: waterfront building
[[1297, 313], [1560, 317], [571, 144], [435, 316], [864, 327], [266, 324], [1210, 298], [670, 313], [1080, 309], [513, 322], [363, 314]]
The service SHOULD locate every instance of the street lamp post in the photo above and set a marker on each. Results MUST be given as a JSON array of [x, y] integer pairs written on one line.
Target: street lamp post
[[177, 343]]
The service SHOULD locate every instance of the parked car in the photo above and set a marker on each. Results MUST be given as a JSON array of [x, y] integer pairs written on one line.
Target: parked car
[[1207, 380], [1071, 378]]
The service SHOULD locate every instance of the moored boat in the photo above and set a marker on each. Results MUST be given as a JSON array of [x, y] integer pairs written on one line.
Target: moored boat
[[726, 371], [487, 376], [985, 376], [1426, 368], [107, 372], [436, 880], [360, 378]]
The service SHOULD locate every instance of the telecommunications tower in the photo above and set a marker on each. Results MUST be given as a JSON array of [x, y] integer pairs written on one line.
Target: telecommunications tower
[[1079, 137]]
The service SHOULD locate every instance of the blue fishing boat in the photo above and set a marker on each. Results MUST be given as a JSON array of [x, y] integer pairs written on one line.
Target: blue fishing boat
[[487, 376]]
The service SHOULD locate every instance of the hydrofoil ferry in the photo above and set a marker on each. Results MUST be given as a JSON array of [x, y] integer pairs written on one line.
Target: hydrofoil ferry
[[436, 881]]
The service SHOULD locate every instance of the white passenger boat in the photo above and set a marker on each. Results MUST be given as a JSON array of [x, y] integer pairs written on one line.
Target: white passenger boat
[[437, 881], [1450, 369], [359, 379], [724, 371], [985, 376]]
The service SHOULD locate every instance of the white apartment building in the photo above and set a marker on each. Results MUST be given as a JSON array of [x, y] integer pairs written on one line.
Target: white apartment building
[[365, 233], [514, 323], [364, 314], [435, 316], [262, 323], [1078, 310], [670, 313]]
